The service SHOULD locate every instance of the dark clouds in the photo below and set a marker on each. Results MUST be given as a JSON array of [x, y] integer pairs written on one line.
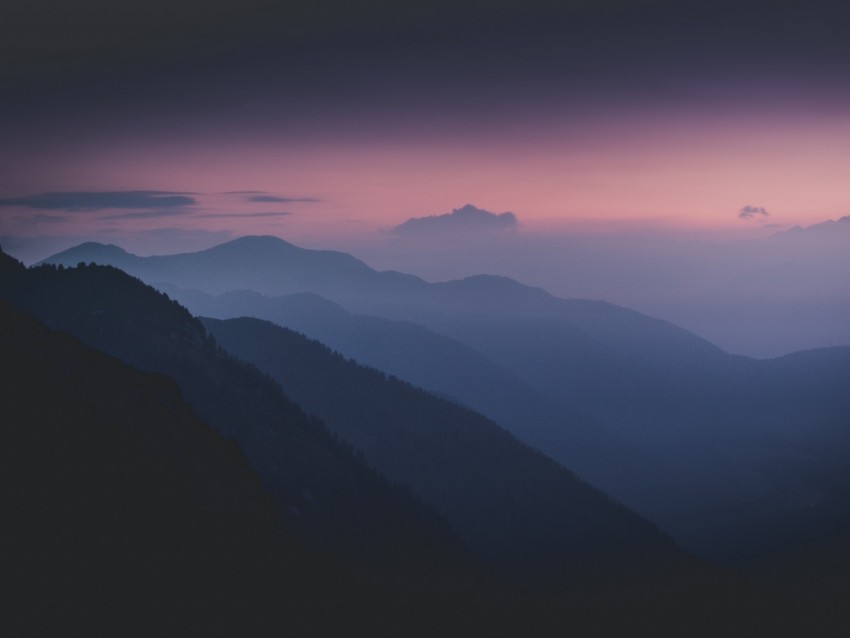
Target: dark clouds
[[100, 200], [40, 218], [279, 57], [275, 199], [243, 215], [748, 212], [147, 214]]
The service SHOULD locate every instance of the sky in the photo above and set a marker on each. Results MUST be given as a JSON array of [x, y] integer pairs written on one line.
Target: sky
[[167, 126]]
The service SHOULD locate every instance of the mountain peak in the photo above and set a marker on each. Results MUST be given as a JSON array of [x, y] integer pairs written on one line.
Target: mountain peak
[[258, 240], [253, 243], [89, 251]]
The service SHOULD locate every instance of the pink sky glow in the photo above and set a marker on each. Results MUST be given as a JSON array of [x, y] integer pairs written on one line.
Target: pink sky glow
[[680, 172]]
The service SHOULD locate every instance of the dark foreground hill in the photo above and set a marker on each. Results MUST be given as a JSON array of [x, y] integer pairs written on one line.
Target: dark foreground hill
[[322, 489], [125, 514], [328, 498], [117, 499]]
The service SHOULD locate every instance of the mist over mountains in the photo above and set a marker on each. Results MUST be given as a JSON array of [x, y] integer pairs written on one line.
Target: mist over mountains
[[625, 399], [557, 554], [764, 294], [561, 443]]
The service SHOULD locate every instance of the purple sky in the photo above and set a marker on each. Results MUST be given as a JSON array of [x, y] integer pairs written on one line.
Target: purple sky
[[315, 121]]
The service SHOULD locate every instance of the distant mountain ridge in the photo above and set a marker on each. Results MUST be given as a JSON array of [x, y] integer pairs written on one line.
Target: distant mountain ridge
[[452, 369], [237, 264], [713, 418], [273, 267], [323, 488], [327, 495], [504, 499]]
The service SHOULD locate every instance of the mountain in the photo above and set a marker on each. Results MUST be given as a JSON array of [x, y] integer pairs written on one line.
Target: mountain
[[414, 577], [124, 513], [242, 263], [511, 504], [145, 328], [711, 419], [837, 228], [323, 490], [455, 371], [274, 267], [165, 521], [118, 499]]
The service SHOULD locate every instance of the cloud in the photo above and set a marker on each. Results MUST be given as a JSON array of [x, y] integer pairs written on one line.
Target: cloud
[[99, 200], [239, 215], [748, 212], [147, 214], [273, 199], [36, 219], [467, 219]]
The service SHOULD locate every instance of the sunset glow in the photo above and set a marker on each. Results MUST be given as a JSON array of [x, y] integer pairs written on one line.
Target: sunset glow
[[587, 121]]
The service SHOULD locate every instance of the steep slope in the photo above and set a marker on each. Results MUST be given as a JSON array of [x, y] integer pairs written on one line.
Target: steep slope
[[453, 370], [513, 505], [322, 489], [117, 498], [125, 514]]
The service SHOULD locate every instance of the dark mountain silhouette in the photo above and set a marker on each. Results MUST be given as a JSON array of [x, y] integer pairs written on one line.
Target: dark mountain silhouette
[[145, 328], [736, 469], [416, 579], [321, 487], [124, 505], [736, 422], [713, 418], [455, 371], [118, 499], [513, 505], [125, 514]]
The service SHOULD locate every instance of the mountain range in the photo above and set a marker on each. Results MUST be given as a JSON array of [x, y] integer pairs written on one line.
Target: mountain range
[[511, 504], [625, 399], [738, 459], [545, 549]]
